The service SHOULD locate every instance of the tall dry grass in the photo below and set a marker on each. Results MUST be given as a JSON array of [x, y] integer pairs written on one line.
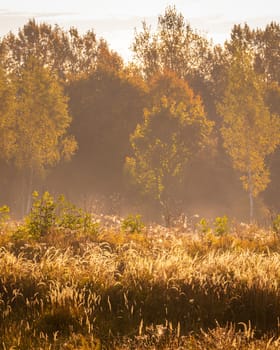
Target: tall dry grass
[[160, 289]]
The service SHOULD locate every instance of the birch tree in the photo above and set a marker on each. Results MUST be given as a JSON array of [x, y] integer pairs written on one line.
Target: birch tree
[[39, 125], [250, 131]]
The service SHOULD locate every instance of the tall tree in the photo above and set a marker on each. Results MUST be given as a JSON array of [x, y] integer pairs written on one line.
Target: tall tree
[[40, 124], [264, 45], [67, 53], [7, 115], [249, 130], [106, 106], [175, 46], [174, 127], [267, 59]]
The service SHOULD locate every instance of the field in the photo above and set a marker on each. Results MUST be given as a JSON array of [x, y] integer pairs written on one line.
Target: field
[[127, 286]]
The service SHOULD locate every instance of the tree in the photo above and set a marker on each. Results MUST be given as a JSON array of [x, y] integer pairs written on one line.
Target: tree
[[7, 115], [175, 46], [39, 125], [250, 132], [268, 51], [66, 53], [106, 106], [7, 134], [264, 45], [174, 127]]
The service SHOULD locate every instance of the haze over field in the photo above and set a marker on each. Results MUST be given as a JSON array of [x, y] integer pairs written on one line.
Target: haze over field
[[176, 128], [116, 20], [139, 193]]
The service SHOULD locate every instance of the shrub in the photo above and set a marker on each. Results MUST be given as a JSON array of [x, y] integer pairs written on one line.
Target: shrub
[[203, 226], [47, 213], [221, 225], [4, 215], [42, 216], [132, 224], [276, 225], [69, 216]]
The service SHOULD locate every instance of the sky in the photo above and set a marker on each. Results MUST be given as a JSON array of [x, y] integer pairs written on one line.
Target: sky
[[116, 20]]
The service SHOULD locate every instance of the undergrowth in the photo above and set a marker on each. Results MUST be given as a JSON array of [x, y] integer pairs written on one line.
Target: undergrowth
[[130, 286]]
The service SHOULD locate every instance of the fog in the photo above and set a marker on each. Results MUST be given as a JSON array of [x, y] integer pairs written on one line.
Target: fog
[[148, 137]]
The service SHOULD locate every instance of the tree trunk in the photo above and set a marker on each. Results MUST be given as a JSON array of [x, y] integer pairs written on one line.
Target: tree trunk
[[22, 197], [27, 184], [166, 212], [251, 197], [29, 190]]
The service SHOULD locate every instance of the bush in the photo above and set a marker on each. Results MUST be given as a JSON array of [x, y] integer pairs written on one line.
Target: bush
[[203, 226], [276, 225], [4, 215], [47, 214], [132, 224], [69, 216], [42, 216], [221, 225]]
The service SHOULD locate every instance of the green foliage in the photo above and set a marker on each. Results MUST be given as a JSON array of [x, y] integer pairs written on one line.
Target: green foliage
[[4, 215], [69, 216], [132, 224], [221, 225], [34, 120], [47, 214], [173, 129], [42, 216], [250, 132], [42, 119], [203, 226], [276, 225]]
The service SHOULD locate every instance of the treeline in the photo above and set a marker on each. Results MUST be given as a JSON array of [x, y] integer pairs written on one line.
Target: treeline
[[185, 126]]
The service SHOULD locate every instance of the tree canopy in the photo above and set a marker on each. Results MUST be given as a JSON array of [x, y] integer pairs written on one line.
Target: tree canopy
[[34, 122], [152, 116], [249, 130], [66, 53], [173, 129], [175, 46]]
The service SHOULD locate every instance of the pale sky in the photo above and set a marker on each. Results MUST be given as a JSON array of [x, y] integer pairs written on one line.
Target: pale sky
[[116, 20]]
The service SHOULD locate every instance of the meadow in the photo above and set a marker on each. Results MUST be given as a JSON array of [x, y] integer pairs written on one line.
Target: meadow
[[118, 284]]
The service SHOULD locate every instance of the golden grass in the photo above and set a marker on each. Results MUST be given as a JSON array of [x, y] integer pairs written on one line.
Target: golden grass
[[160, 289]]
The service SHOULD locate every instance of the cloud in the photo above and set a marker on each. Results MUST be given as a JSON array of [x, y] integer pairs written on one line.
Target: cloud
[[7, 13], [13, 20], [114, 24]]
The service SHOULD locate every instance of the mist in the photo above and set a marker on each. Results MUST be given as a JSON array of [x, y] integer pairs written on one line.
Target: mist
[[109, 103]]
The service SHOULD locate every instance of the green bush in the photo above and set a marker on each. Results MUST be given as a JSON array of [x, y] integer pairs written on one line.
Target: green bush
[[221, 225], [132, 224], [4, 215], [42, 216], [69, 216], [203, 226], [276, 225], [47, 214]]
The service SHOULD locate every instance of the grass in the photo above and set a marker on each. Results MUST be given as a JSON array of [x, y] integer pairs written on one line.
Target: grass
[[154, 289]]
